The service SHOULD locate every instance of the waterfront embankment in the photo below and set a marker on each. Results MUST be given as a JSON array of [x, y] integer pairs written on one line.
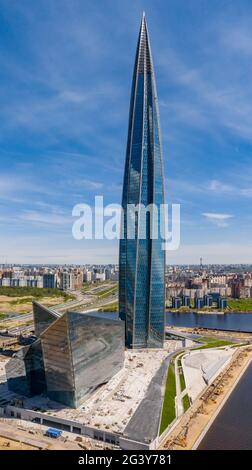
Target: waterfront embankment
[[197, 420], [228, 321]]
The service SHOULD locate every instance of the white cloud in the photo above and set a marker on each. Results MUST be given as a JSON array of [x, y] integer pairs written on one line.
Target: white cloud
[[11, 184], [45, 218], [237, 38], [217, 218], [214, 186], [212, 94], [90, 184], [220, 187]]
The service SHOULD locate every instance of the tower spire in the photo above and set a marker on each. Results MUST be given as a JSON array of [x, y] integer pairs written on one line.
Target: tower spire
[[143, 55], [142, 259]]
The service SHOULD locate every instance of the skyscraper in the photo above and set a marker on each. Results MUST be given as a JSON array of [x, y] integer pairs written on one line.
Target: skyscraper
[[142, 259]]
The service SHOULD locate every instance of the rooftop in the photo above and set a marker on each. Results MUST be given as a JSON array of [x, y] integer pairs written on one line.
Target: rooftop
[[113, 405]]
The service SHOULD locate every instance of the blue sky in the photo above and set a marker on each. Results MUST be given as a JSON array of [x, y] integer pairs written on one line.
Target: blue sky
[[65, 77]]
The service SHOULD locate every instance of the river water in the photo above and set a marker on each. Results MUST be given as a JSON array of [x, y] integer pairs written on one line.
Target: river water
[[226, 321], [232, 429]]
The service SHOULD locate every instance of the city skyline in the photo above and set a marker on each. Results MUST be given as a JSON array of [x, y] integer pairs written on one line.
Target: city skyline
[[63, 109], [125, 256], [142, 259]]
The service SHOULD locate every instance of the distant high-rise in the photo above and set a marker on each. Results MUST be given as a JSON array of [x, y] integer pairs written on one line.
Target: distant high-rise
[[142, 261]]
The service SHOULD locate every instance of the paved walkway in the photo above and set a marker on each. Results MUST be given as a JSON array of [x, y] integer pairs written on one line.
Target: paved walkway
[[179, 393], [144, 424], [201, 365]]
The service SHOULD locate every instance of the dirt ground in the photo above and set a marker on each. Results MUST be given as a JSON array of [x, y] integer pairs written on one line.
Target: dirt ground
[[24, 304], [8, 444], [23, 435], [192, 424]]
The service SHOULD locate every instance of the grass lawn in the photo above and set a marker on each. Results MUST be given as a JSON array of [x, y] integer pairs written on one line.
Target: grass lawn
[[240, 305], [182, 380], [35, 292], [179, 353], [113, 307], [19, 299], [168, 411], [181, 375], [213, 343], [186, 402], [107, 292]]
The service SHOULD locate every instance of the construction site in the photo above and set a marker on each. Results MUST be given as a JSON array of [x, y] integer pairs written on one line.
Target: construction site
[[128, 407], [24, 435], [187, 433], [116, 407], [200, 368]]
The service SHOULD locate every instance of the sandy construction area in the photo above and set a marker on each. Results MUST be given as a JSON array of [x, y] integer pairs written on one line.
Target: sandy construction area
[[24, 304], [8, 444], [24, 435], [191, 426]]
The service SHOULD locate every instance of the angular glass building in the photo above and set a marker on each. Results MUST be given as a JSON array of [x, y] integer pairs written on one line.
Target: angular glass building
[[25, 371], [74, 354], [43, 317], [81, 352], [142, 259]]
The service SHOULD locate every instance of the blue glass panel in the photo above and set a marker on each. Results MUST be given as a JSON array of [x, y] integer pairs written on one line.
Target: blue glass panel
[[142, 260]]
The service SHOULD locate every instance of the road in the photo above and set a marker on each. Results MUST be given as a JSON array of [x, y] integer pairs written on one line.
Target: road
[[84, 302], [196, 337], [144, 424]]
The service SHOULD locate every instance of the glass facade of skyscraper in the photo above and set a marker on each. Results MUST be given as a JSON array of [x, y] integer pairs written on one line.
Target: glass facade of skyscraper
[[74, 355], [81, 352], [142, 259], [43, 317], [25, 371]]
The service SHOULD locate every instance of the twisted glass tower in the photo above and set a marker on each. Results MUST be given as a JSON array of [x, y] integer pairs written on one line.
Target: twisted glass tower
[[141, 258]]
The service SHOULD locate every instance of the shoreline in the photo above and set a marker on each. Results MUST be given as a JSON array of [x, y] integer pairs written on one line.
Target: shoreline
[[199, 330], [195, 423], [217, 333], [210, 312], [222, 404]]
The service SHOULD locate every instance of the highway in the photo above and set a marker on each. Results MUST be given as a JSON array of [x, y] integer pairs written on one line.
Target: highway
[[85, 302], [23, 316], [66, 305]]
